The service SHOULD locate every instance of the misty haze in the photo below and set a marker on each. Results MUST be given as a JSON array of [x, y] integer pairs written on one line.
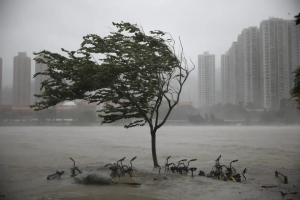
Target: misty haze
[[149, 99]]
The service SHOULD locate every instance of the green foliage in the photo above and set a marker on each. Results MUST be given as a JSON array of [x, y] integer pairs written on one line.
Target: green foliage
[[295, 91], [268, 117], [229, 111], [212, 118], [131, 76], [285, 114], [288, 112], [178, 113], [196, 119], [297, 17]]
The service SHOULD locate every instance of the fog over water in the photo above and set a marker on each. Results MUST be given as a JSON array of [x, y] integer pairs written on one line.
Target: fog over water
[[29, 154]]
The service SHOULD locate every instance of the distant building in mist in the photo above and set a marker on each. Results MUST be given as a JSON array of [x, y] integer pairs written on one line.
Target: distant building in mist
[[240, 72], [233, 71], [241, 85], [21, 79], [218, 96], [206, 79], [250, 64], [39, 67], [225, 78], [260, 64], [0, 81], [276, 60]]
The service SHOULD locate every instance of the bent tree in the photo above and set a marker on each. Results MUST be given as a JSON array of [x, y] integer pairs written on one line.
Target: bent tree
[[131, 74]]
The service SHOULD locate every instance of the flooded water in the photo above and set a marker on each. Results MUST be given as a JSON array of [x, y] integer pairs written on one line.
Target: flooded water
[[29, 154]]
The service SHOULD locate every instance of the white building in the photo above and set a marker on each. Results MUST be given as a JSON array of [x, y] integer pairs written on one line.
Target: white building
[[206, 79], [260, 64], [225, 78], [250, 65], [21, 79], [233, 73], [276, 63], [0, 81]]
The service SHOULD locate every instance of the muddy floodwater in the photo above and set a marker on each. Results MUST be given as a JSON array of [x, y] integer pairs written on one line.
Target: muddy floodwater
[[29, 154]]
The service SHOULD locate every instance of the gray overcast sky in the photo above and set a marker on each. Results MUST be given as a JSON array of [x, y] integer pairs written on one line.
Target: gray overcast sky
[[203, 25]]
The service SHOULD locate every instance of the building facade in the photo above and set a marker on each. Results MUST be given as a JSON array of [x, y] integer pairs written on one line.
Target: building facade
[[1, 78], [21, 79], [276, 52], [39, 67], [261, 64], [233, 74], [1, 81], [240, 72], [206, 79], [250, 64], [225, 78]]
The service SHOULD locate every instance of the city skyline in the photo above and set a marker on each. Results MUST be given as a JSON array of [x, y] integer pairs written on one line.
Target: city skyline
[[248, 83], [257, 69], [57, 29]]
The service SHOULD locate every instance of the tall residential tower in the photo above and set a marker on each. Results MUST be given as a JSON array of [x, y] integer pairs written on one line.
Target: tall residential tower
[[21, 79], [206, 79], [250, 64], [261, 63], [275, 50], [0, 81], [233, 73], [225, 77]]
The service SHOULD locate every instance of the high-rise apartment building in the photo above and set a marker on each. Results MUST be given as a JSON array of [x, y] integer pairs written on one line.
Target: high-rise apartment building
[[240, 72], [225, 77], [206, 79], [261, 62], [234, 82], [1, 81], [39, 67], [249, 61], [275, 61], [21, 79], [233, 73]]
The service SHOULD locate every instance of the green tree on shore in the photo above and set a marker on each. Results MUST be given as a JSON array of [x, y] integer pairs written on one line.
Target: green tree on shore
[[295, 91], [132, 75]]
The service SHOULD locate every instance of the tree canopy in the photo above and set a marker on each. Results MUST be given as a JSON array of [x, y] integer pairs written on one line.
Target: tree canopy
[[297, 19], [295, 91], [129, 72]]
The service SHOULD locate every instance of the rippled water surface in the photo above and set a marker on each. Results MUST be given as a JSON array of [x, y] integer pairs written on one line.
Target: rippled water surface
[[29, 154]]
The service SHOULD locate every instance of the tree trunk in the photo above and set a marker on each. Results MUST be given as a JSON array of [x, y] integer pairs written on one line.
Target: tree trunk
[[153, 145]]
